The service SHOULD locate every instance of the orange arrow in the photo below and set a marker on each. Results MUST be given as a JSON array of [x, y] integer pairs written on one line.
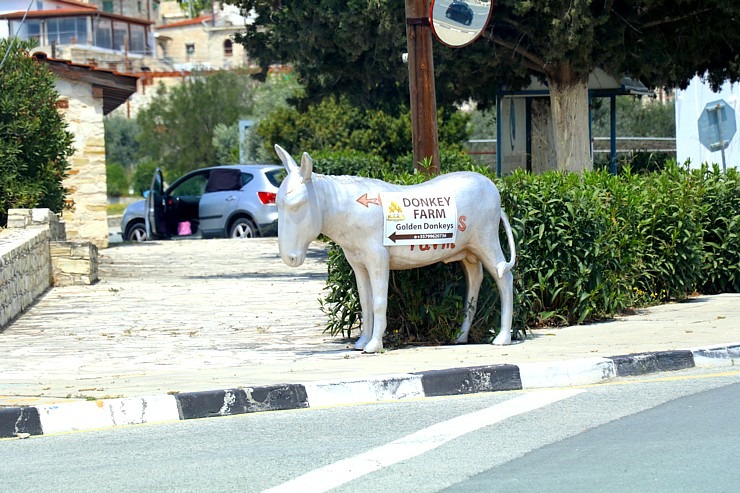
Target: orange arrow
[[364, 200]]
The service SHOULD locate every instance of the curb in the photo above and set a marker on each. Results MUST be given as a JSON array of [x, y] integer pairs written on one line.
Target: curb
[[79, 416]]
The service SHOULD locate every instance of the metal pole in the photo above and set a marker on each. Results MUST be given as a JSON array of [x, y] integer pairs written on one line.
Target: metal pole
[[717, 109], [613, 133]]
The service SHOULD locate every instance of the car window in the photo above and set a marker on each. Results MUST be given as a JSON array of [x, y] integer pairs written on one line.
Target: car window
[[276, 176], [246, 178], [193, 186]]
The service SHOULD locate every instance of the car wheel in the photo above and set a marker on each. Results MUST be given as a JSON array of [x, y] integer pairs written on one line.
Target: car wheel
[[243, 228], [136, 232]]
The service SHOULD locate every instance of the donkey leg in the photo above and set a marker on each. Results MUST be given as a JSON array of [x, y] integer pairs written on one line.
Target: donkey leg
[[474, 276], [506, 292], [379, 273], [365, 292], [505, 285]]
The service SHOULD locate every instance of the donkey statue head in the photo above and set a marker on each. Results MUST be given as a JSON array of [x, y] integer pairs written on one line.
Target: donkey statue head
[[299, 216]]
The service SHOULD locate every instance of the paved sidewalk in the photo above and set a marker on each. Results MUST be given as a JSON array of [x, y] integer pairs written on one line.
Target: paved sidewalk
[[184, 320]]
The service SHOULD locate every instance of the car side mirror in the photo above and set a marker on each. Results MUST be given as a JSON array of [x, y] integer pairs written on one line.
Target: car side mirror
[[145, 193]]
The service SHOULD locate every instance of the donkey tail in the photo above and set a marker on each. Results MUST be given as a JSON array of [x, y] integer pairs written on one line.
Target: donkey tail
[[504, 267]]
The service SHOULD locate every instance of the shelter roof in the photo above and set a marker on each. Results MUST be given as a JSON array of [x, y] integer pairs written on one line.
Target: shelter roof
[[600, 83], [116, 87]]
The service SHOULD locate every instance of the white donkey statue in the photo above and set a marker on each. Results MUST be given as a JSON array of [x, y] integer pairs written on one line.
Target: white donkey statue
[[348, 210]]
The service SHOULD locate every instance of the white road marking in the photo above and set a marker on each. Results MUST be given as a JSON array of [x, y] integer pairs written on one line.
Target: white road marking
[[346, 470]]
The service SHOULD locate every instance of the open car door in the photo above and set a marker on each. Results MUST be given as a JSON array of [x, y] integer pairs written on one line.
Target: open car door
[[156, 226]]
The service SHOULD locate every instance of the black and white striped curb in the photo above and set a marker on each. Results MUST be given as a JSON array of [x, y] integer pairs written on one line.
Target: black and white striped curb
[[77, 416]]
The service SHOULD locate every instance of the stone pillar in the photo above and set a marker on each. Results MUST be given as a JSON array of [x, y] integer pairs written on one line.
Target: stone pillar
[[86, 220]]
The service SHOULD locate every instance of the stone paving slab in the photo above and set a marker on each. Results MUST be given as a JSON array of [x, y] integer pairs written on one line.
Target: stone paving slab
[[198, 315]]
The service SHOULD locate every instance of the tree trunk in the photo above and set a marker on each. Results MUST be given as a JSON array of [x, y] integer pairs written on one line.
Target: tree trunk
[[571, 142], [543, 152]]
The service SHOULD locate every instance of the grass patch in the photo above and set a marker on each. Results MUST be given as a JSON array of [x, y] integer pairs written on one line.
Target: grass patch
[[116, 209]]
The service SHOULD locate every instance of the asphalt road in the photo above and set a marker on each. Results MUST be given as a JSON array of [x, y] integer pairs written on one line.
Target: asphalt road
[[669, 432]]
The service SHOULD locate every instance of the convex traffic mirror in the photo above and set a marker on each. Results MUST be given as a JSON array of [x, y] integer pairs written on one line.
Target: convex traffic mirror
[[458, 23]]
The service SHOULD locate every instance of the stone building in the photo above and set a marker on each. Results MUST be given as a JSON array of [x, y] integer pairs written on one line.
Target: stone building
[[201, 43], [116, 35], [86, 95]]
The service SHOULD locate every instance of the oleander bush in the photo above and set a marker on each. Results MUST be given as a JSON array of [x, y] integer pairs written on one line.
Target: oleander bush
[[35, 146], [721, 228], [588, 247]]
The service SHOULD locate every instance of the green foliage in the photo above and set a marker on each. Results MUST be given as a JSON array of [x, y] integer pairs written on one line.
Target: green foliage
[[566, 269], [668, 222], [116, 179], [143, 175], [351, 163], [274, 94], [637, 162], [351, 48], [121, 144], [226, 143], [194, 8], [720, 205], [354, 48], [336, 125], [588, 247], [636, 117], [177, 129], [34, 142], [483, 124]]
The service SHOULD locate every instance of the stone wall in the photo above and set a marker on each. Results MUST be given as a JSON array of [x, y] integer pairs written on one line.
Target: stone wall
[[35, 256], [25, 270], [73, 262]]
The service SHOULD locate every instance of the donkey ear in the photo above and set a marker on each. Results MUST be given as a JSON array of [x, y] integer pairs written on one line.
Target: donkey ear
[[306, 167], [287, 159]]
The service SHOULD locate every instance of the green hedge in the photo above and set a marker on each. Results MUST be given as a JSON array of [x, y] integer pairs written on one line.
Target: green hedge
[[588, 247]]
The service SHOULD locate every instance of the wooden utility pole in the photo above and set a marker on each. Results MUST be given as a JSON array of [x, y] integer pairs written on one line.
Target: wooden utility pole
[[421, 84]]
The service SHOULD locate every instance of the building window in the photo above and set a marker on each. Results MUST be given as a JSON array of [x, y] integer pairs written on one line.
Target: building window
[[228, 48], [108, 6], [120, 32], [66, 30], [138, 40], [189, 48], [103, 35], [31, 29]]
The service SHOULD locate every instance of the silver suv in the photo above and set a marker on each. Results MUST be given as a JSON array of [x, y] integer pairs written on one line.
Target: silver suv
[[235, 201]]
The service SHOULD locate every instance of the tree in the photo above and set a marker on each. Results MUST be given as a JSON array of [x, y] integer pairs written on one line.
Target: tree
[[195, 7], [121, 144], [336, 125], [177, 129], [352, 48], [34, 142]]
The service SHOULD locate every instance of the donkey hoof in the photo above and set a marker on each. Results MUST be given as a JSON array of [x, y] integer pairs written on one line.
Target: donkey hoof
[[502, 339], [361, 343], [373, 347]]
